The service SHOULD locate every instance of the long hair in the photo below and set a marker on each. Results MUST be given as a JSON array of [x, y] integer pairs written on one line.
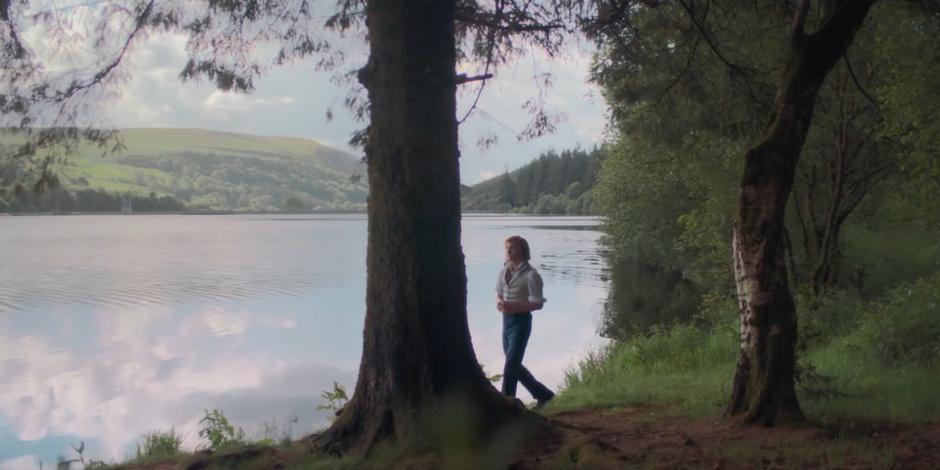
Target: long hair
[[521, 243]]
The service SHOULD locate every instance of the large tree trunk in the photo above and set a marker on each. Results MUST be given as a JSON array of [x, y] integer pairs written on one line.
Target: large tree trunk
[[764, 388], [416, 348]]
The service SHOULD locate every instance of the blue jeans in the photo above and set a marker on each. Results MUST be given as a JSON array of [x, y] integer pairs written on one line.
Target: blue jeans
[[516, 330]]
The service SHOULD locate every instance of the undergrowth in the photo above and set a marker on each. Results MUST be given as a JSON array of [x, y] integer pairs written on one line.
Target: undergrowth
[[858, 359]]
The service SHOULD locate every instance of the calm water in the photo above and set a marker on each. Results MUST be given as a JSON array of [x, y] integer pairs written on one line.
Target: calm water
[[114, 326]]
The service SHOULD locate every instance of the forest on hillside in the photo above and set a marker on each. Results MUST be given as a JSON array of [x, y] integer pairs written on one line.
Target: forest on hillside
[[553, 183]]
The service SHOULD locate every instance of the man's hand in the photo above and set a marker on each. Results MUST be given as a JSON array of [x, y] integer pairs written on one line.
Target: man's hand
[[500, 305]]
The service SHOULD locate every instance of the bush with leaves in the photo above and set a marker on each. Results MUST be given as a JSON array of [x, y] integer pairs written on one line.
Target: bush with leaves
[[160, 444], [336, 399], [904, 328], [219, 432]]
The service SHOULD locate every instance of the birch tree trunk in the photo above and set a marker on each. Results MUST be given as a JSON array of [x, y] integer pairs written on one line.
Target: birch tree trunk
[[764, 389]]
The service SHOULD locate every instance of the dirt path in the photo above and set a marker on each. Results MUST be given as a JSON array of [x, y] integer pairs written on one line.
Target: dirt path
[[642, 437], [649, 438]]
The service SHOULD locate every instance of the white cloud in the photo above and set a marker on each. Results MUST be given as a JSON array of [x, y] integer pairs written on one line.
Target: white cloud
[[485, 175], [292, 101], [239, 102]]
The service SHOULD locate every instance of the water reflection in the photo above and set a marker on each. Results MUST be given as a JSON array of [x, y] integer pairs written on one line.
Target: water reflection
[[114, 326], [642, 296]]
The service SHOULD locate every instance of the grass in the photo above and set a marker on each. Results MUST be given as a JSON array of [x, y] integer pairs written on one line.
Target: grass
[[873, 360], [682, 365], [449, 441], [871, 390]]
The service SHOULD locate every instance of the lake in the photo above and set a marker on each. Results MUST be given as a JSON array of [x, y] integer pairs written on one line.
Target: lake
[[113, 326]]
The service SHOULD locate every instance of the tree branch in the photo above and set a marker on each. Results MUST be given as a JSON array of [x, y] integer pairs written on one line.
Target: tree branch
[[76, 87], [710, 42], [463, 78], [688, 63], [848, 65], [799, 20]]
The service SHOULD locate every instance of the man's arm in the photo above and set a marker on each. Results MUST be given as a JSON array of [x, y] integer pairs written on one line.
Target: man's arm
[[519, 306]]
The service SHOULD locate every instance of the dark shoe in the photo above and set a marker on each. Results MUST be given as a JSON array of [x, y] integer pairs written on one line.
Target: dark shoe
[[541, 403]]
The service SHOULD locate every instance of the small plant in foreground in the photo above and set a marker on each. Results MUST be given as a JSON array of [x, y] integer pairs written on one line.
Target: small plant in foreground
[[336, 399], [270, 434], [66, 464], [492, 378], [160, 444], [219, 431]]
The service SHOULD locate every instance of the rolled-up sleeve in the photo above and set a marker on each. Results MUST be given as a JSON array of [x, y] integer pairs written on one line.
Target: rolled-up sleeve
[[535, 288]]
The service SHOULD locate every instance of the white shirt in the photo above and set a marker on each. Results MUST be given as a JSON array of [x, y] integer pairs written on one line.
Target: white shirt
[[524, 284]]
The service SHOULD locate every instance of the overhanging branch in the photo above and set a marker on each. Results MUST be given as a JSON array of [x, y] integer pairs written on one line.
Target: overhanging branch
[[511, 27], [463, 78]]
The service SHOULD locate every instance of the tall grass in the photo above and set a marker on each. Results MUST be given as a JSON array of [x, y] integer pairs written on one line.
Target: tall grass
[[877, 359], [887, 366], [683, 365]]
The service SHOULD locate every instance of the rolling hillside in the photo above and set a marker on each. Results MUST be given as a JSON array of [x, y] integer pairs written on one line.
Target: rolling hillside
[[209, 170]]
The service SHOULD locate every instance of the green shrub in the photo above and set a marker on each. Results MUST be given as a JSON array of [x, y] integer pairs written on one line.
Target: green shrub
[[160, 444], [904, 328], [828, 316], [219, 432]]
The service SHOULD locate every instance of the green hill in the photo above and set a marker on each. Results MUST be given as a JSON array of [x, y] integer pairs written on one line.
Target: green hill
[[551, 184], [209, 170]]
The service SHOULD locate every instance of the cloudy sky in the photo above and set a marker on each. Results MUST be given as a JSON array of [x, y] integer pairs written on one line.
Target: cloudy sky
[[293, 101]]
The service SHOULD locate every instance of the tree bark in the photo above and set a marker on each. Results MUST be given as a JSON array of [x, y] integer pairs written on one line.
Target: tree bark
[[764, 389], [417, 352]]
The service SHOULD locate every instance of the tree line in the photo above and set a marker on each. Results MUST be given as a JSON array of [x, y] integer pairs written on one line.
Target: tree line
[[553, 183], [60, 200]]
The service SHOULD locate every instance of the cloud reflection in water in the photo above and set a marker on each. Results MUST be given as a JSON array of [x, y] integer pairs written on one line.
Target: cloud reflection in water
[[256, 317]]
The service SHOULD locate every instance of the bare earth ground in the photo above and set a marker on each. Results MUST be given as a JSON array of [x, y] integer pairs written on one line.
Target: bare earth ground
[[643, 437], [656, 438]]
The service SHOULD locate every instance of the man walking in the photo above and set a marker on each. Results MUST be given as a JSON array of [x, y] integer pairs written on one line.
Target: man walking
[[518, 294]]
